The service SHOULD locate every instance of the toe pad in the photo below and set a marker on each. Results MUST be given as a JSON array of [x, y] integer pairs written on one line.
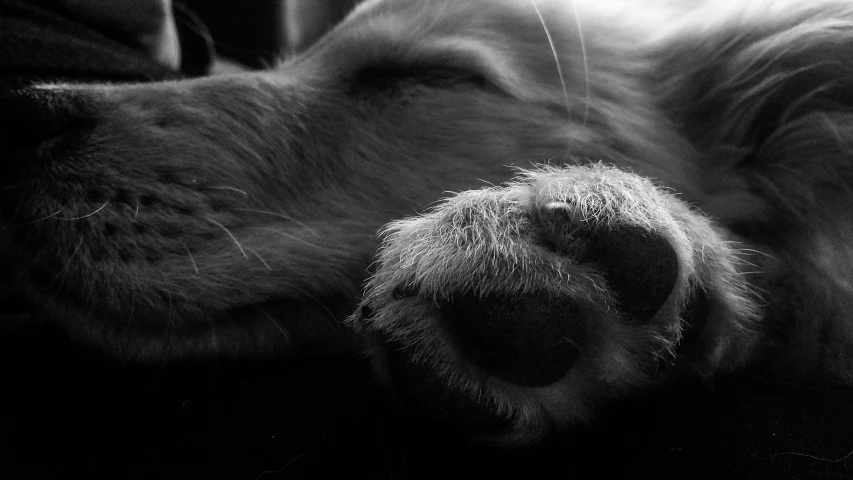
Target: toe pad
[[524, 340]]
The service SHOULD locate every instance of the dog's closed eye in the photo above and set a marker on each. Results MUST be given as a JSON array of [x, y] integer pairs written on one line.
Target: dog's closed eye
[[390, 75]]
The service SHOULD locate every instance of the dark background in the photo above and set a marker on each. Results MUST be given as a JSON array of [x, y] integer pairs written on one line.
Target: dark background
[[277, 26], [66, 411]]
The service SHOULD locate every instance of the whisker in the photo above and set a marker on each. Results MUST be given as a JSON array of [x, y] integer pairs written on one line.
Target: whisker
[[305, 454], [233, 189], [556, 55], [292, 237], [87, 215], [585, 63], [195, 265], [136, 213], [44, 218], [279, 327], [229, 234], [260, 258], [61, 271], [280, 215], [70, 257]]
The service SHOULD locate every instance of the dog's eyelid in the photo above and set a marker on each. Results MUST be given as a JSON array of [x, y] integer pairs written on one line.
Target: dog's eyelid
[[431, 72]]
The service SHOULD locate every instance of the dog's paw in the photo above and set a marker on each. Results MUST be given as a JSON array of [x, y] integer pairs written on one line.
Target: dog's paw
[[539, 301]]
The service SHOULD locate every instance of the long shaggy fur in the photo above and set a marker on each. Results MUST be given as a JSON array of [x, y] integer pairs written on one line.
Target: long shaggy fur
[[237, 214]]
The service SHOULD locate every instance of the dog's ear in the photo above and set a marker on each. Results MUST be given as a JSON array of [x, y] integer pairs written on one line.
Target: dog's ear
[[769, 98], [768, 101], [736, 81]]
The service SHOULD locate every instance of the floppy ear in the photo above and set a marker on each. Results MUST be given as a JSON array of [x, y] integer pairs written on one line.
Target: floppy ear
[[769, 99]]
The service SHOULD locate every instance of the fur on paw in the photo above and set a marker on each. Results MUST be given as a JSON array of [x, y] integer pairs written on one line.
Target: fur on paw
[[541, 300]]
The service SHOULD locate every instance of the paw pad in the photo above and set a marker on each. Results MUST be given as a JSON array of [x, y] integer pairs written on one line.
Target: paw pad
[[526, 340]]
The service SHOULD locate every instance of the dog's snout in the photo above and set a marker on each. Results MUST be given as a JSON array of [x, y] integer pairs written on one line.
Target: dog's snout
[[33, 116]]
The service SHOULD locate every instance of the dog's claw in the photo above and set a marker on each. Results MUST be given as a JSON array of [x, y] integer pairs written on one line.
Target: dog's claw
[[562, 216]]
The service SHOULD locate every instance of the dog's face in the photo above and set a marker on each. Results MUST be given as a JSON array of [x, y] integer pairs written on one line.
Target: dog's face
[[181, 216]]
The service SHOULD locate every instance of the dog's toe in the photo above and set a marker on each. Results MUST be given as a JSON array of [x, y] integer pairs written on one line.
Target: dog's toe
[[639, 265]]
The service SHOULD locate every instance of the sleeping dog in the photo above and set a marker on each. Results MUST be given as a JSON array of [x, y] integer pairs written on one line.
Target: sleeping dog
[[576, 201]]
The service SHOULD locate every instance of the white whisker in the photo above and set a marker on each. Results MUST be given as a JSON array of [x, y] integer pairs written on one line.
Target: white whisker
[[233, 189], [229, 234], [585, 63], [280, 215], [260, 258], [279, 327], [556, 56], [87, 215], [70, 257], [195, 265], [292, 237], [44, 218]]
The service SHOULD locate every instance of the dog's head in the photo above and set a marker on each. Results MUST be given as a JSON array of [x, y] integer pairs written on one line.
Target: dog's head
[[208, 213]]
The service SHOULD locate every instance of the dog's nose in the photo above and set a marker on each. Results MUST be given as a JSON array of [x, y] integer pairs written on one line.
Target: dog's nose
[[33, 116]]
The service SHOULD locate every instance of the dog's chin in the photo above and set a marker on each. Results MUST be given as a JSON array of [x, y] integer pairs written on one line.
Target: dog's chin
[[272, 328]]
